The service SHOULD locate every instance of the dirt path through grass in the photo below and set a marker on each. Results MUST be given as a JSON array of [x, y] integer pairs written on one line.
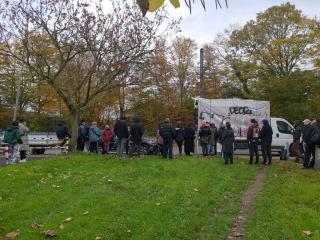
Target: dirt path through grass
[[247, 199]]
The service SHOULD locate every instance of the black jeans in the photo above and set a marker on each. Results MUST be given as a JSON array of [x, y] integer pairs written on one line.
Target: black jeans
[[135, 147], [228, 157], [266, 152], [310, 152], [94, 147], [167, 147], [179, 143], [80, 144], [253, 150]]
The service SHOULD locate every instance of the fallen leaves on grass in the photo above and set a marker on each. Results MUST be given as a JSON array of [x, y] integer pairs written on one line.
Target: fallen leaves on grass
[[196, 190], [158, 204], [69, 219], [55, 186], [99, 238], [61, 226], [275, 175], [307, 232], [36, 226], [109, 181], [50, 233], [85, 213], [12, 235]]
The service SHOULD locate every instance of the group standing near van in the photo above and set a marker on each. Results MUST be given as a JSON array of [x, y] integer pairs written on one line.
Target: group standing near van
[[306, 137]]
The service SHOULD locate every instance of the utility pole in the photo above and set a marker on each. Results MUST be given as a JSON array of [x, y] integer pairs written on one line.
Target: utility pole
[[18, 92], [202, 85]]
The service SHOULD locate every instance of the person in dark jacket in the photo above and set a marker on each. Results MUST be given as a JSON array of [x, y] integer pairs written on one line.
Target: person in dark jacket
[[167, 132], [213, 139], [296, 149], [12, 137], [189, 136], [63, 133], [179, 136], [227, 143], [253, 140], [82, 135], [266, 140], [136, 133], [310, 130], [219, 137], [122, 133], [204, 134]]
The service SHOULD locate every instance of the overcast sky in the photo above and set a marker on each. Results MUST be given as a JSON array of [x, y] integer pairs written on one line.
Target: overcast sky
[[203, 26]]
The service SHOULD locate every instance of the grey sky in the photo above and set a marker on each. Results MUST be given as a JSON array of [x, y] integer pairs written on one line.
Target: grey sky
[[203, 26]]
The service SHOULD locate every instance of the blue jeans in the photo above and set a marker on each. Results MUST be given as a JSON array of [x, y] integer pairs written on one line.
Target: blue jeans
[[205, 149], [213, 149], [167, 147]]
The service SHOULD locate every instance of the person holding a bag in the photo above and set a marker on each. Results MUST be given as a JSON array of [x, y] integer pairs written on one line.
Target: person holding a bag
[[204, 134], [94, 137]]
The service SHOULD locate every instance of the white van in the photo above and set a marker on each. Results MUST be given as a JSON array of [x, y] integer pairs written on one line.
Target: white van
[[239, 112]]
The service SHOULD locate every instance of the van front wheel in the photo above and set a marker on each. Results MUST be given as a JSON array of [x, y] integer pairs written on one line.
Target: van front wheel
[[283, 154]]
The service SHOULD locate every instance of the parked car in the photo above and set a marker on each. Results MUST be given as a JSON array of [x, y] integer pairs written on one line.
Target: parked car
[[148, 145]]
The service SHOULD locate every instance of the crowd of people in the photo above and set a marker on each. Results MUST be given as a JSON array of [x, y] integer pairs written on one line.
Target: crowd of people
[[306, 136]]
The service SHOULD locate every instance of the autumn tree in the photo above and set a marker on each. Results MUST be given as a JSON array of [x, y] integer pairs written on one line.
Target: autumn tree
[[80, 50]]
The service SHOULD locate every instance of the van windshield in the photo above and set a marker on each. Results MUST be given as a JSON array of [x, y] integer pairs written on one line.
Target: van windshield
[[284, 128]]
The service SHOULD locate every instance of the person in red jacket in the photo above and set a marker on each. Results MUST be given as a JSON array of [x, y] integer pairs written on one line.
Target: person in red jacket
[[106, 138]]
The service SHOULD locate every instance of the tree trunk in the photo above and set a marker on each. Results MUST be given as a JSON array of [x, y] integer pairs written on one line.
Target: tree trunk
[[74, 117]]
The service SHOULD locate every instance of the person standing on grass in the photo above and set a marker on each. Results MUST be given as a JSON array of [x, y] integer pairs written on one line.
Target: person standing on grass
[[94, 137], [24, 146], [266, 140], [122, 133], [136, 133], [227, 143], [311, 131], [253, 139], [189, 136], [220, 133], [296, 145], [167, 132], [159, 140], [12, 137], [63, 133], [106, 139], [82, 135], [204, 134], [179, 136], [213, 139]]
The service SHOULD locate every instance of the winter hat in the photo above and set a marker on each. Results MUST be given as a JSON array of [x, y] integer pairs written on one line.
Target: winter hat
[[306, 121], [107, 127]]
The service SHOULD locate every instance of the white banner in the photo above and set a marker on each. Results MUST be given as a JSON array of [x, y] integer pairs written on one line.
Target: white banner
[[237, 111]]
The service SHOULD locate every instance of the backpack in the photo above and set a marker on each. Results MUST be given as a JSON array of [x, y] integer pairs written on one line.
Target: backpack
[[315, 137], [256, 132]]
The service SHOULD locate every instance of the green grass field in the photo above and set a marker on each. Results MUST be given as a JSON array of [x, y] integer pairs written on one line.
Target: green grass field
[[289, 205], [153, 198], [148, 198]]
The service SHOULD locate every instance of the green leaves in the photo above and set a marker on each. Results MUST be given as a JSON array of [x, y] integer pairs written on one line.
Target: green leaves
[[153, 5]]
